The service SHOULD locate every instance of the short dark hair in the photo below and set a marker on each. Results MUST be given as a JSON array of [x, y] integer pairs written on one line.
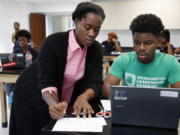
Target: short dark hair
[[16, 23], [165, 34], [85, 7], [147, 23], [23, 33]]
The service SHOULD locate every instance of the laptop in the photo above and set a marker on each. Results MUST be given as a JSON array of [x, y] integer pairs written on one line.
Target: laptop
[[149, 107], [12, 60], [136, 130]]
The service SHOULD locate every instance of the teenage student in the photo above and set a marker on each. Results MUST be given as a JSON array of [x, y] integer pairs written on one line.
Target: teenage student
[[144, 67], [112, 44], [165, 46]]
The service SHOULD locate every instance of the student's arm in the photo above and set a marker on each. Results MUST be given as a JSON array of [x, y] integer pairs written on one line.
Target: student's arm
[[169, 49], [117, 45], [110, 80], [13, 37], [177, 51], [174, 74], [175, 85], [115, 74]]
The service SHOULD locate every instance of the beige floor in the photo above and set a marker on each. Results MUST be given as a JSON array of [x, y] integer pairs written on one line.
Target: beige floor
[[4, 131]]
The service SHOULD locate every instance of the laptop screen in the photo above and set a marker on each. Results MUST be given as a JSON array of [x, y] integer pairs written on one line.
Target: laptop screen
[[12, 60], [152, 107]]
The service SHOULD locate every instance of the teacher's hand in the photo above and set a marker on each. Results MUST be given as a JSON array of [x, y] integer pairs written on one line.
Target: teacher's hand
[[82, 105], [58, 110]]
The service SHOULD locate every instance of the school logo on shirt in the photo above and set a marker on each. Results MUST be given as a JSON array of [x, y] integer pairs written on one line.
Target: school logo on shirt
[[144, 81], [130, 79]]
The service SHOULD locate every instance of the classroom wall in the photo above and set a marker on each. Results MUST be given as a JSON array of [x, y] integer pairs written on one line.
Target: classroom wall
[[125, 37], [54, 9], [10, 12], [136, 6], [119, 14], [14, 11]]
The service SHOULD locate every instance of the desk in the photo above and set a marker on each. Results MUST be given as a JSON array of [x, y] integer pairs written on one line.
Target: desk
[[108, 58], [8, 77], [114, 130]]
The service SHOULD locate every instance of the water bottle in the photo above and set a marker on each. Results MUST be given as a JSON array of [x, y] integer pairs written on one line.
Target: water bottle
[[1, 67], [10, 98], [28, 58]]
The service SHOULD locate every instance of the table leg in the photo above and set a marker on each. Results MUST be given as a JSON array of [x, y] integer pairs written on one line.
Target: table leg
[[3, 106]]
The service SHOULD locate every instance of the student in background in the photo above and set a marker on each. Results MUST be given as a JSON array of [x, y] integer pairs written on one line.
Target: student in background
[[112, 44], [177, 51], [22, 38], [165, 46], [143, 67], [68, 77], [16, 26]]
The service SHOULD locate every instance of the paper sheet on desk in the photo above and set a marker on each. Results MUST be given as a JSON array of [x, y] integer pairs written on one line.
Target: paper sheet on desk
[[80, 124], [115, 53], [106, 105]]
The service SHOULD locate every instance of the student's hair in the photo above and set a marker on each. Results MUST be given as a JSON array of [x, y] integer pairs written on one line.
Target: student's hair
[[147, 23], [113, 35], [16, 23], [86, 7], [23, 33], [165, 34]]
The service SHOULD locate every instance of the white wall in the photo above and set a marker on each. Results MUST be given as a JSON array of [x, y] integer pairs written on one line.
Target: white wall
[[56, 24], [127, 7], [119, 14], [13, 11], [54, 8], [10, 12]]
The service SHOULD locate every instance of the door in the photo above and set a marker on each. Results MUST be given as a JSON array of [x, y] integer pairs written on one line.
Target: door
[[37, 29]]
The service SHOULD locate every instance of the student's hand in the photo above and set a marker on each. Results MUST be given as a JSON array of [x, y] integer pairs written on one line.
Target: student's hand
[[58, 110], [114, 40], [168, 44], [82, 105]]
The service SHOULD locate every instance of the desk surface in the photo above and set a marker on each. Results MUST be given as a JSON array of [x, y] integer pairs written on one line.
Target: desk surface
[[7, 76], [114, 130], [11, 71]]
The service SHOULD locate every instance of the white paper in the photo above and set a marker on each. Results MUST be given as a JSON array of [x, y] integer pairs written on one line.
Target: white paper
[[80, 124], [106, 105], [20, 54], [169, 94], [115, 53]]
